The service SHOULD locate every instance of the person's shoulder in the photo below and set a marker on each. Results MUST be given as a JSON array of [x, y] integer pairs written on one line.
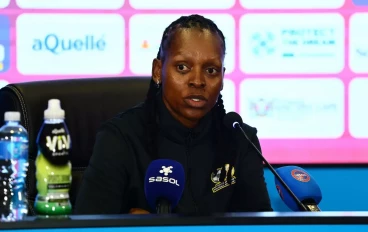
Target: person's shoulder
[[249, 129], [136, 112], [128, 121]]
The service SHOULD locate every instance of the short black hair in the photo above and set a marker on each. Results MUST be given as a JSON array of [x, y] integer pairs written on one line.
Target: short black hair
[[192, 21], [222, 138]]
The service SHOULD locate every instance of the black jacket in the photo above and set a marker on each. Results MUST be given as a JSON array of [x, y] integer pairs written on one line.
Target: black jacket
[[114, 181]]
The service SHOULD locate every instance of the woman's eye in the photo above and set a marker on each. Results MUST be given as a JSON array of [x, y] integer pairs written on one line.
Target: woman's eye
[[212, 71], [182, 67]]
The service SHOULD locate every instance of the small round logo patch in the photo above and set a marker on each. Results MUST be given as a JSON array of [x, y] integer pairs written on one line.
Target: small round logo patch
[[280, 192], [300, 175]]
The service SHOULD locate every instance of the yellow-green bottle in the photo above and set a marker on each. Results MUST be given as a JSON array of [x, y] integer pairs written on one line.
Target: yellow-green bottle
[[53, 167]]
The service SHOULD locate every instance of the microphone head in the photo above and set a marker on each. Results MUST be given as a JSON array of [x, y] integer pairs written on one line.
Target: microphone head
[[164, 179], [230, 118], [301, 183]]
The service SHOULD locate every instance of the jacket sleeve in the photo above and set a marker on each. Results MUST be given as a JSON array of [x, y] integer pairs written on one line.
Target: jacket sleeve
[[105, 179], [250, 193]]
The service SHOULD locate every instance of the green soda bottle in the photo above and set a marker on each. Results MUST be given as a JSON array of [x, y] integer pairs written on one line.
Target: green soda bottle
[[53, 167]]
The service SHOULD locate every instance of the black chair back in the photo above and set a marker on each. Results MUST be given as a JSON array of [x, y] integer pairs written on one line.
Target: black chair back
[[87, 104]]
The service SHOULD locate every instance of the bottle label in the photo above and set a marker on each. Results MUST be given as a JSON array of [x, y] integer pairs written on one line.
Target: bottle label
[[53, 184], [53, 170], [13, 158], [13, 170], [52, 179], [58, 182], [14, 148], [54, 143]]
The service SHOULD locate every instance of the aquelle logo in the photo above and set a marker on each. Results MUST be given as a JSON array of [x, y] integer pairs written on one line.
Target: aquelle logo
[[57, 44], [70, 44]]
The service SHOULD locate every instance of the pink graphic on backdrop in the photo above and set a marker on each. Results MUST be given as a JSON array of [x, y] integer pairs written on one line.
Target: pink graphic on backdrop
[[342, 149]]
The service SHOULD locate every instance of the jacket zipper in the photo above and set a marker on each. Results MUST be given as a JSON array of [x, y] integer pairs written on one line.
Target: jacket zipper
[[189, 141]]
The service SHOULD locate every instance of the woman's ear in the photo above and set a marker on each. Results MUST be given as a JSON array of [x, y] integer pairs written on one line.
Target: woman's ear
[[156, 70]]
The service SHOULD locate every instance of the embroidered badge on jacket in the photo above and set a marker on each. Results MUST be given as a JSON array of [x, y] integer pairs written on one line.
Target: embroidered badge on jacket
[[221, 184]]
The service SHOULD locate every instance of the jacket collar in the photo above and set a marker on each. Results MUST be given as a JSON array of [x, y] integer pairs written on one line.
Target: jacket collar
[[177, 132]]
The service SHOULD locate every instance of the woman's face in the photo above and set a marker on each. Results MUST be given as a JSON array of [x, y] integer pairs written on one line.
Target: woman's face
[[191, 74]]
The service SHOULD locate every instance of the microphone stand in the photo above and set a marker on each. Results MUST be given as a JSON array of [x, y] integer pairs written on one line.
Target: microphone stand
[[163, 206], [300, 204]]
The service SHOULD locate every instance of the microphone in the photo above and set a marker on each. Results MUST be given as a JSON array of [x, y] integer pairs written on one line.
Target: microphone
[[302, 184], [233, 120], [164, 184]]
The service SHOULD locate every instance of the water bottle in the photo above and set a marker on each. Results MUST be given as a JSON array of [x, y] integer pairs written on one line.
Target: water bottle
[[53, 167], [13, 168]]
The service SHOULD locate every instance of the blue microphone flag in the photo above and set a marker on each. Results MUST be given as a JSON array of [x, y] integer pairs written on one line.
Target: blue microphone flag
[[301, 184], [164, 179]]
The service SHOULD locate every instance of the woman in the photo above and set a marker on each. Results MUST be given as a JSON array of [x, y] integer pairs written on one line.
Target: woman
[[181, 119]]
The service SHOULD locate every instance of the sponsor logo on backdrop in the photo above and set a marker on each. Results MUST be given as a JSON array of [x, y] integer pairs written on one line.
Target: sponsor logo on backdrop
[[295, 42], [285, 43], [4, 3], [288, 109], [145, 37], [57, 44], [303, 106], [148, 44], [3, 83], [2, 57], [362, 52], [360, 2], [179, 4], [70, 44], [292, 4], [358, 111], [70, 4], [4, 43], [146, 33], [261, 107], [358, 44], [264, 44]]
